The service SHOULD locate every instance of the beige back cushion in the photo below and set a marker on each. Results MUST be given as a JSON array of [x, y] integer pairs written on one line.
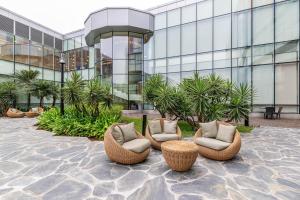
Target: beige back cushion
[[35, 110], [117, 134], [226, 133], [13, 110], [209, 129], [128, 131], [155, 127], [170, 127]]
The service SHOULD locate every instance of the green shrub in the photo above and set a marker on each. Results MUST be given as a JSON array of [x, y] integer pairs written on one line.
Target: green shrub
[[76, 124]]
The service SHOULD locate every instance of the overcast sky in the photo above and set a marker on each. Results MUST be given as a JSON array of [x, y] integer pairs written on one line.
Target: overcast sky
[[68, 15]]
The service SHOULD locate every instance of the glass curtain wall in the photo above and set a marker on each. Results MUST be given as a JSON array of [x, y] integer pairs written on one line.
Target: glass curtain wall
[[119, 62], [229, 38]]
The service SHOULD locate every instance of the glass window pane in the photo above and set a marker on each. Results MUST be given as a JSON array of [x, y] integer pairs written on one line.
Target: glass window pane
[[48, 57], [238, 5], [149, 67], [204, 9], [174, 64], [160, 43], [188, 39], [120, 46], [257, 3], [160, 66], [263, 29], [6, 67], [185, 75], [263, 54], [174, 17], [204, 61], [174, 41], [48, 75], [160, 21], [188, 63], [36, 54], [287, 51], [241, 75], [174, 78], [287, 21], [120, 66], [77, 42], [224, 73], [120, 90], [241, 57], [286, 84], [6, 45], [222, 32], [21, 50], [241, 29], [263, 84], [148, 47], [222, 7], [106, 46], [222, 59], [71, 44], [188, 13], [204, 35]]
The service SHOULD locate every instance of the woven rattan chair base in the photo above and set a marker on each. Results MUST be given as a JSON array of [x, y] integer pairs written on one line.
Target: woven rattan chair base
[[225, 154]]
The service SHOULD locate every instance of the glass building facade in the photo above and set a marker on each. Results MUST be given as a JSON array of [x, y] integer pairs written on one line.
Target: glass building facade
[[244, 41]]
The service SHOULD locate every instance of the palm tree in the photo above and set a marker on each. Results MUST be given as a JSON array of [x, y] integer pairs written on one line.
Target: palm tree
[[41, 89], [26, 78], [8, 95], [54, 92]]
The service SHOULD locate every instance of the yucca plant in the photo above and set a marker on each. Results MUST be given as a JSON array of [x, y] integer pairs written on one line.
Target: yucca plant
[[239, 105], [73, 91], [96, 94], [25, 79], [197, 89]]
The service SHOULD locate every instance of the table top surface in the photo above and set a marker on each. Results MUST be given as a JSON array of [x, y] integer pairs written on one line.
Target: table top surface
[[179, 146]]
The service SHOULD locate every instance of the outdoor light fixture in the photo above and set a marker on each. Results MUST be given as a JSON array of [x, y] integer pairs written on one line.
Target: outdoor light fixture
[[62, 63]]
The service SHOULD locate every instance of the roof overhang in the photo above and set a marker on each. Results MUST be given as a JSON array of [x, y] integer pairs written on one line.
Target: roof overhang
[[117, 19]]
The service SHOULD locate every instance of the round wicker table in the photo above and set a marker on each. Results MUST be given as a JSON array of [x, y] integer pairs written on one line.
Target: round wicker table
[[179, 155]]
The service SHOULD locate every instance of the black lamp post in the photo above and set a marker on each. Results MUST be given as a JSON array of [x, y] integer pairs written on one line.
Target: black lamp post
[[62, 63]]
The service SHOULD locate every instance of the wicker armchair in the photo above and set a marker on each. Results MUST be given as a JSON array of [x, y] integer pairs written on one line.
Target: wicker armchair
[[31, 114], [17, 114], [225, 154], [118, 154], [156, 144]]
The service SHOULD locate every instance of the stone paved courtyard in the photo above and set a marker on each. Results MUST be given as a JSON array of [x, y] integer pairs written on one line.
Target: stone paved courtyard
[[36, 165]]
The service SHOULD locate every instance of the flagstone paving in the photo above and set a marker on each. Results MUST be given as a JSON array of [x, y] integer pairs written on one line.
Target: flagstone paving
[[34, 164]]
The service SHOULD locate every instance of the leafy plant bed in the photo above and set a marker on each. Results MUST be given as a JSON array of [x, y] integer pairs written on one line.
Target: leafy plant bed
[[74, 123]]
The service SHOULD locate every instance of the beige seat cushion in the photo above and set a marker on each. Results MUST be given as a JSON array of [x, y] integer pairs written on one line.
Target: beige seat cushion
[[137, 145], [165, 137], [117, 134], [170, 127], [155, 126], [209, 129], [212, 143], [226, 133], [128, 131]]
